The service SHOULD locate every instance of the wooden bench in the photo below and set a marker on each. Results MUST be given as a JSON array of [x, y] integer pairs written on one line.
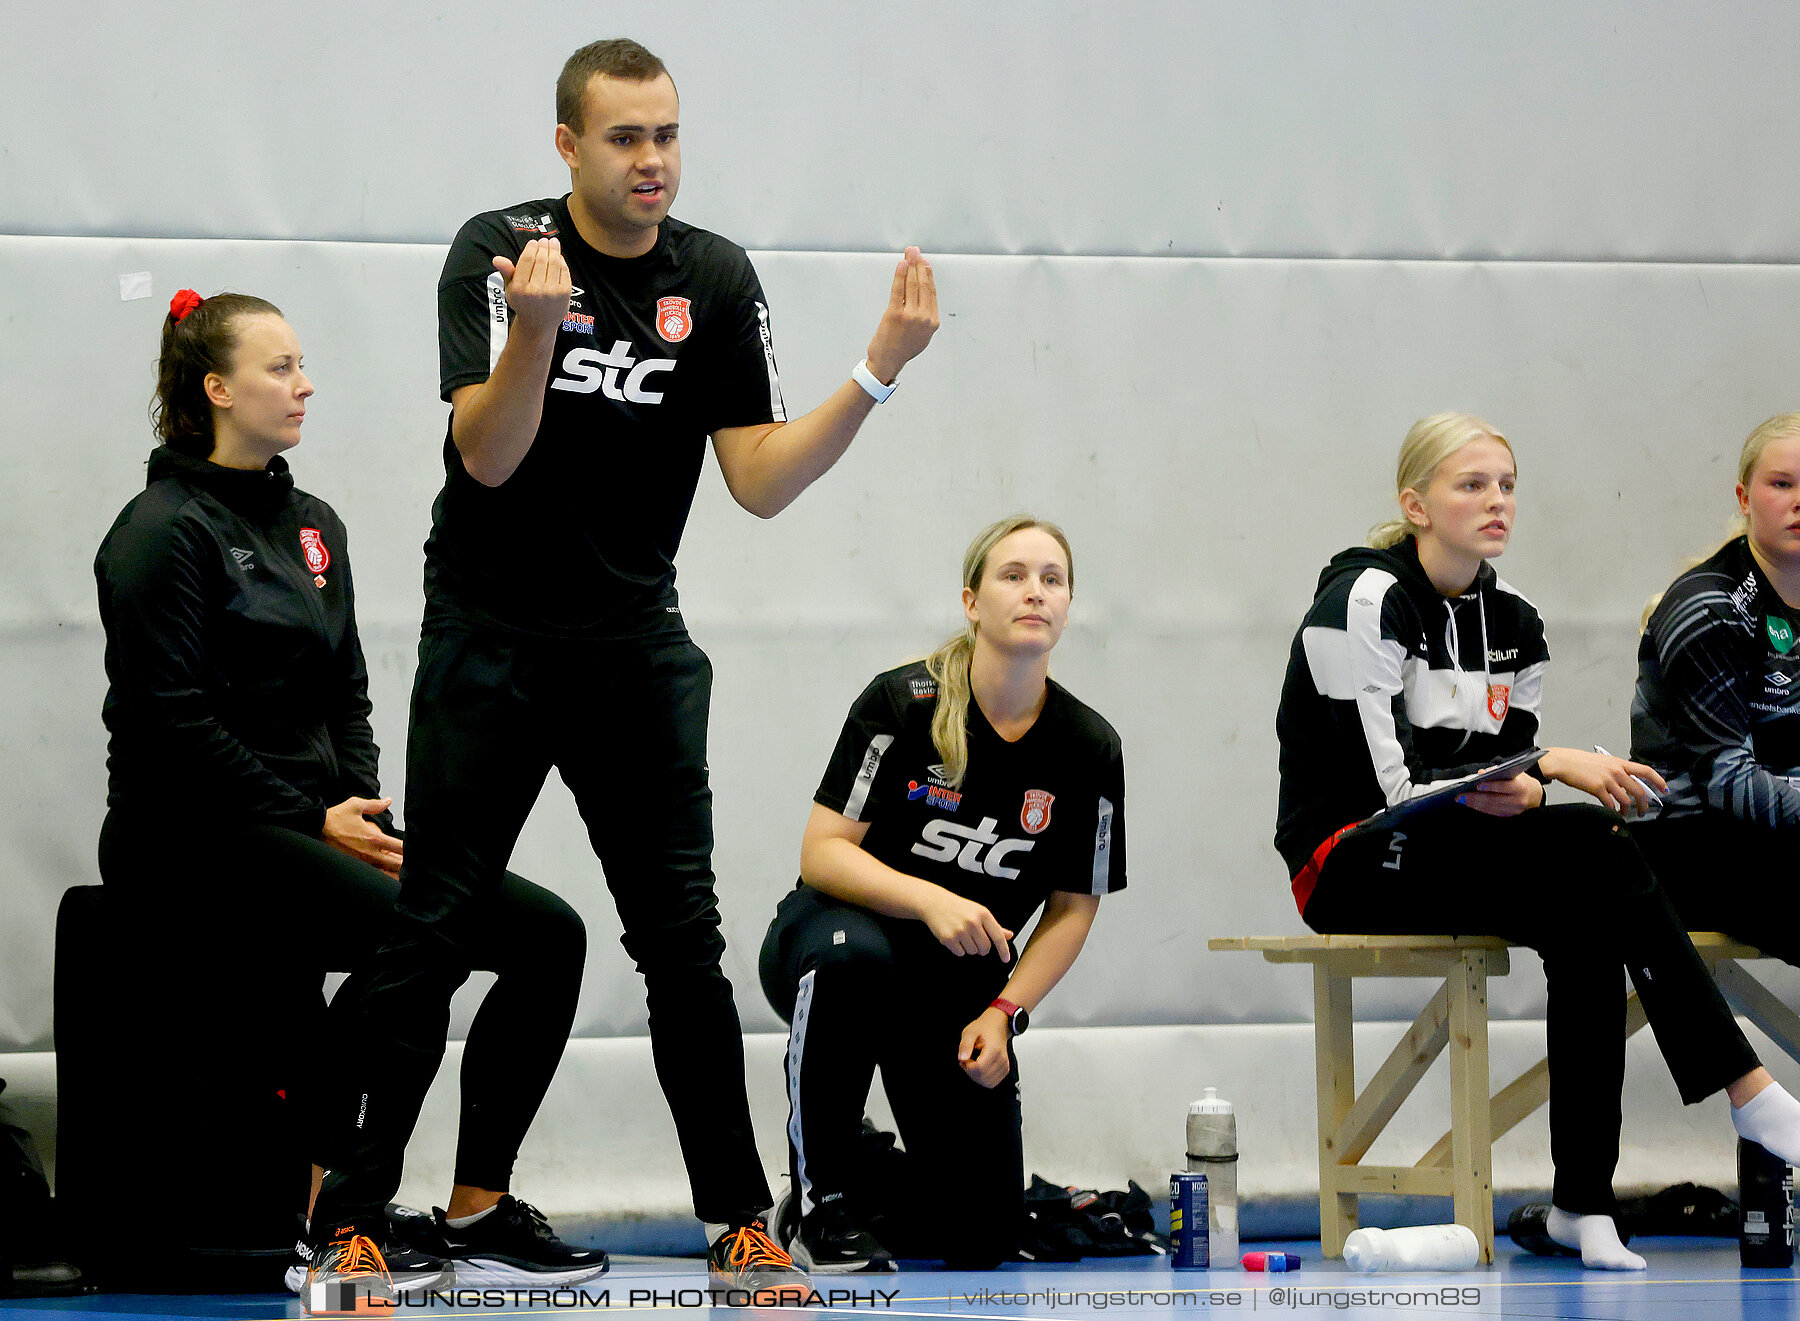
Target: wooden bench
[[1460, 1164]]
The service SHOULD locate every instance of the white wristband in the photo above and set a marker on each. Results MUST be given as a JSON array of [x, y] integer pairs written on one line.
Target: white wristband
[[866, 378]]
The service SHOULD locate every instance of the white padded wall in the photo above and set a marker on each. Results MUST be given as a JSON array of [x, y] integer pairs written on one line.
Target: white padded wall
[[1209, 431]]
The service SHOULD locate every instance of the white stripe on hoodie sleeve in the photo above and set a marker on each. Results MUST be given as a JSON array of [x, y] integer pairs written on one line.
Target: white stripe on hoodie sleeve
[[1376, 670]]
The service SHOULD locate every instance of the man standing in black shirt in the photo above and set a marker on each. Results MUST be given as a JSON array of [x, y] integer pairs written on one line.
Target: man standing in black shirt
[[588, 347]]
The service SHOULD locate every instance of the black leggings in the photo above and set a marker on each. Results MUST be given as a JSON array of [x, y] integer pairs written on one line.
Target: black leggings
[[1569, 882], [1724, 875], [273, 911], [624, 723], [861, 990]]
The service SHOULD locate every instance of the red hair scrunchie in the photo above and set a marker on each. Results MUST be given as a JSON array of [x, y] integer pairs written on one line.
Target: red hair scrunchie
[[184, 302]]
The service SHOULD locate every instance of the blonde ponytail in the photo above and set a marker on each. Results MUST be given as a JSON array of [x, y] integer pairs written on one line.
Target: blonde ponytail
[[949, 664], [1390, 533]]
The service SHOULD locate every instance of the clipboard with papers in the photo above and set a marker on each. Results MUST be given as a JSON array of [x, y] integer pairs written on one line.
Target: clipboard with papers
[[1448, 793]]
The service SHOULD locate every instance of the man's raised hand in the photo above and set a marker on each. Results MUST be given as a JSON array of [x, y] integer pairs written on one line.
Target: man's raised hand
[[538, 286], [910, 321]]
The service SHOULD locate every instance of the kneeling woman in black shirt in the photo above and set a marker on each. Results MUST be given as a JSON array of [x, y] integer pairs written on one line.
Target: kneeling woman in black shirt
[[966, 791]]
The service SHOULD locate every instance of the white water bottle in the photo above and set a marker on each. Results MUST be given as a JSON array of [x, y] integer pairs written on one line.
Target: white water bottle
[[1212, 1151], [1420, 1248]]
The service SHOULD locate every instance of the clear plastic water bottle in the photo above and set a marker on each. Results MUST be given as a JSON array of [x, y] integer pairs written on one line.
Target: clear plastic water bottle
[[1212, 1151], [1419, 1248], [1766, 1202]]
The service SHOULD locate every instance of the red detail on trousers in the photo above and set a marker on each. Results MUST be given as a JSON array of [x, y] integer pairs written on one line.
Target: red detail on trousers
[[1308, 876]]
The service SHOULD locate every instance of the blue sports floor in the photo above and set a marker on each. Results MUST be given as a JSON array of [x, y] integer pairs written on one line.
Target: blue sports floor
[[1688, 1280]]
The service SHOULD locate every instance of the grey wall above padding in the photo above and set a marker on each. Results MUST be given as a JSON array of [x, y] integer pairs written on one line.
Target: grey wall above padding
[[1545, 129]]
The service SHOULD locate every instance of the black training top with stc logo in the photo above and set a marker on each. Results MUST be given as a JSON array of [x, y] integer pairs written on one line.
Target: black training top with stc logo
[[655, 354], [1044, 813], [1717, 706]]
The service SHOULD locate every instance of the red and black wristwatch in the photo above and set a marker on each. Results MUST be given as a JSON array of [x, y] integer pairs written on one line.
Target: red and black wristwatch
[[1017, 1018]]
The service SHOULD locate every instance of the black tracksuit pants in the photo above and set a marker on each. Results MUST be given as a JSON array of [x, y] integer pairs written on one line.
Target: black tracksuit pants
[[624, 723], [860, 990], [258, 914], [1569, 882]]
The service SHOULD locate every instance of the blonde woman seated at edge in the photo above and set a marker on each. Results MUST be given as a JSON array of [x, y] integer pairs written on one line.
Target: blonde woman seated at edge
[[1717, 711]]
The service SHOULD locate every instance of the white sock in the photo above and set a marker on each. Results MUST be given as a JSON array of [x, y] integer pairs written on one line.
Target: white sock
[[463, 1222], [714, 1232], [1772, 1118], [1597, 1239]]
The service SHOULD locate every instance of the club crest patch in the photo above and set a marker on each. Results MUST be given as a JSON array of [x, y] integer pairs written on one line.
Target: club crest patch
[[674, 318], [1035, 814], [1499, 697], [312, 547], [1781, 634]]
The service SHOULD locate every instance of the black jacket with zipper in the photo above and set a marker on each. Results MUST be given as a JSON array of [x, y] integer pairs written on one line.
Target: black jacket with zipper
[[237, 683], [1393, 688]]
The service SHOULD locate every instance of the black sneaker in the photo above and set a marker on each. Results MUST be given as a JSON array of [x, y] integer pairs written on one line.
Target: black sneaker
[[1528, 1226], [416, 1260], [829, 1242], [346, 1274], [746, 1260], [513, 1246], [785, 1217]]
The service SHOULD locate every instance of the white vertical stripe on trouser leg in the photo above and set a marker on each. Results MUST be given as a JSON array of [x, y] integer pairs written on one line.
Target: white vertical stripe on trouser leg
[[497, 317], [1103, 847], [796, 1049]]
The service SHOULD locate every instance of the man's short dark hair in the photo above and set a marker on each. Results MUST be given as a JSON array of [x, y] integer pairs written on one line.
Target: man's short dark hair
[[616, 57]]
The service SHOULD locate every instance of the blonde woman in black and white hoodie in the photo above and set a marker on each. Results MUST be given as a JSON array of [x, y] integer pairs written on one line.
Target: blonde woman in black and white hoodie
[[1418, 666]]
